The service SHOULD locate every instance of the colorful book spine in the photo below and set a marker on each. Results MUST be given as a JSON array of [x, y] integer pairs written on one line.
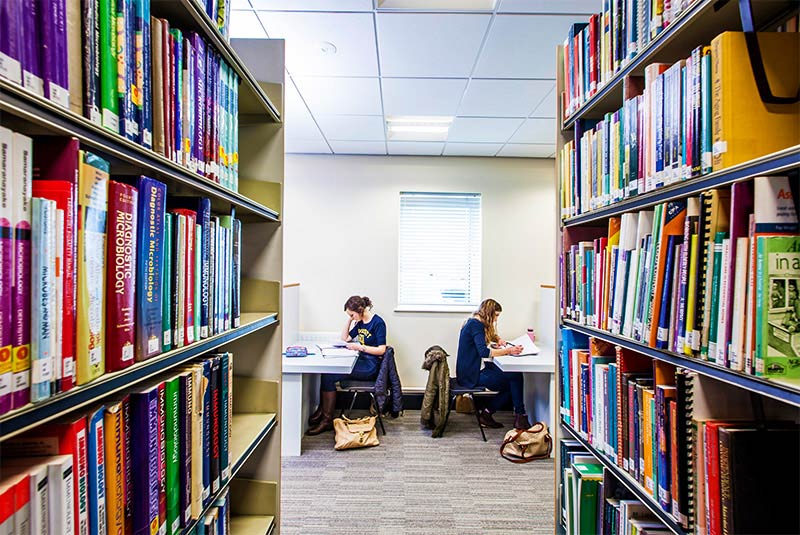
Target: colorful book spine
[[198, 261], [185, 429], [96, 463], [123, 205], [43, 292], [177, 100], [150, 258], [7, 262], [166, 293], [10, 41], [108, 49], [127, 446], [199, 102], [92, 53], [224, 418], [144, 424], [54, 60], [114, 427], [21, 297], [236, 273], [173, 457], [162, 458], [31, 60], [216, 415], [92, 214], [207, 424]]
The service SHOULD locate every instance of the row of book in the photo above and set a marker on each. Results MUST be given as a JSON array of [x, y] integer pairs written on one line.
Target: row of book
[[98, 273], [218, 519], [219, 11], [593, 501], [150, 461], [596, 50], [110, 61], [693, 444], [714, 277], [683, 120]]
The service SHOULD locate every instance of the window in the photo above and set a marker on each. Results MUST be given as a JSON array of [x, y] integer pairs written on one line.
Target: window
[[440, 251]]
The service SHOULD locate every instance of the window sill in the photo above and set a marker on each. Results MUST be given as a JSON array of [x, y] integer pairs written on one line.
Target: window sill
[[458, 309]]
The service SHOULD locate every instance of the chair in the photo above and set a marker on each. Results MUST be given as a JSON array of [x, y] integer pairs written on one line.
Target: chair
[[479, 391], [359, 387]]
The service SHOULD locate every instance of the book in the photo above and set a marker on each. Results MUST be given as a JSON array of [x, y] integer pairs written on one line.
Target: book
[[108, 48], [123, 205], [225, 374], [30, 57], [7, 261], [162, 457], [96, 464], [157, 79], [115, 461], [587, 478], [173, 437], [127, 447], [206, 436], [36, 470], [91, 61], [166, 286], [149, 266], [216, 408], [21, 161], [145, 456], [43, 293], [61, 492], [186, 428], [10, 44]]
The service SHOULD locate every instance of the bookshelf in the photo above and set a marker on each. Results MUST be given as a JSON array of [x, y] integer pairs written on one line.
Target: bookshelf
[[256, 342], [697, 25]]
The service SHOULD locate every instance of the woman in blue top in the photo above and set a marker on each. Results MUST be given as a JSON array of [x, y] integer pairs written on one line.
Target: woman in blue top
[[477, 345], [365, 332]]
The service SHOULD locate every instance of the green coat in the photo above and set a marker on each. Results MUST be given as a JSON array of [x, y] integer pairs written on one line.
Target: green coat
[[438, 386]]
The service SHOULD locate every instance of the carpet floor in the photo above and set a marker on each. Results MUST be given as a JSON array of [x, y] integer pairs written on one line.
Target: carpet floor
[[414, 484]]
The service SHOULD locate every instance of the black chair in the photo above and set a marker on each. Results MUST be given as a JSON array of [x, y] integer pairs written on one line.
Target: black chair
[[479, 391], [360, 387]]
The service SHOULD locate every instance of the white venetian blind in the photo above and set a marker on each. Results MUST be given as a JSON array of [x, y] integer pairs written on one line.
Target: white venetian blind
[[440, 249]]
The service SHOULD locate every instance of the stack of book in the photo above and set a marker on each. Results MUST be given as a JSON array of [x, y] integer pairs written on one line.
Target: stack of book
[[714, 277], [683, 120], [113, 63], [150, 461], [218, 519], [595, 51], [101, 273]]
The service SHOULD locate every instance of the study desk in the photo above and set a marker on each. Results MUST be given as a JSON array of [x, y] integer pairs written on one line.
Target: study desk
[[301, 393], [540, 388]]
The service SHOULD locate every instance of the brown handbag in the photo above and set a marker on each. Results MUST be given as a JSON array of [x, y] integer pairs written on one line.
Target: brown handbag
[[526, 445], [358, 433]]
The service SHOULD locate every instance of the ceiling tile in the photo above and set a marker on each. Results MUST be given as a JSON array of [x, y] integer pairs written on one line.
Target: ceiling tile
[[480, 130], [527, 150], [503, 98], [299, 125], [352, 127], [306, 147], [472, 149], [308, 34], [436, 45], [245, 25], [547, 6], [415, 148], [241, 4], [313, 5], [547, 106], [406, 96], [358, 147], [342, 96], [523, 46], [536, 131]]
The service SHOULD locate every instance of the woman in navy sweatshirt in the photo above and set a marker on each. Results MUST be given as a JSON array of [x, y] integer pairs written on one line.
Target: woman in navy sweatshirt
[[365, 332], [477, 345]]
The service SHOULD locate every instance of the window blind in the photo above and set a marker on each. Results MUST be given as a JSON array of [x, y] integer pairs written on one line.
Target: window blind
[[440, 249]]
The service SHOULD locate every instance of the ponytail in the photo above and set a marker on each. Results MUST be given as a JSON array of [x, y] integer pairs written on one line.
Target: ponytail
[[358, 304]]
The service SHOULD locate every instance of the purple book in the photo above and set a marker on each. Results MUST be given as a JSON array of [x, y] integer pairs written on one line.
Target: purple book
[[199, 101], [22, 163], [10, 67], [6, 260], [208, 142], [53, 59], [29, 48], [144, 456]]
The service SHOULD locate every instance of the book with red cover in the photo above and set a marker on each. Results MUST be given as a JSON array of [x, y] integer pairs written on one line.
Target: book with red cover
[[627, 362], [593, 79], [189, 270], [64, 437], [121, 276], [55, 173], [714, 513]]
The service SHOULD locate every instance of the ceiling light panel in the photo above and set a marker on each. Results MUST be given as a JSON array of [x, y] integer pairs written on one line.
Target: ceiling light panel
[[510, 49], [503, 98], [429, 45], [309, 37], [417, 128]]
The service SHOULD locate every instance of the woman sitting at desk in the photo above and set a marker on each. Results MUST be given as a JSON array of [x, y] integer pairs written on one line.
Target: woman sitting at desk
[[477, 345], [366, 333]]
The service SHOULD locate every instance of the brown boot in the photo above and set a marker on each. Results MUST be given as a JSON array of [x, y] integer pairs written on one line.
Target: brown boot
[[521, 422], [486, 420], [317, 416], [328, 404]]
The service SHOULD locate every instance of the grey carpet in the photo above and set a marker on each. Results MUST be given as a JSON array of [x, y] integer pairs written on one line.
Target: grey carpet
[[414, 484]]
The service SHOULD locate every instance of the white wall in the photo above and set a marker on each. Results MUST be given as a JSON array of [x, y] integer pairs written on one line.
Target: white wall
[[341, 238]]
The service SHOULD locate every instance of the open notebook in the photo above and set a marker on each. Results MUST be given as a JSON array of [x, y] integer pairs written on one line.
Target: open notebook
[[336, 349], [528, 347]]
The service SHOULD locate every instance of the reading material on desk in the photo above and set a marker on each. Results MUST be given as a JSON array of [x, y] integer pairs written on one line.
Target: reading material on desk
[[528, 347], [336, 350]]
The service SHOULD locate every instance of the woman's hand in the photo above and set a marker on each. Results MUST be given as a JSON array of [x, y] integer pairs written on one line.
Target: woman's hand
[[513, 350], [501, 342], [354, 347]]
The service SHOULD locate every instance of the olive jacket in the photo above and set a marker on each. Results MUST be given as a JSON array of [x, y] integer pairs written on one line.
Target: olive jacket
[[437, 391]]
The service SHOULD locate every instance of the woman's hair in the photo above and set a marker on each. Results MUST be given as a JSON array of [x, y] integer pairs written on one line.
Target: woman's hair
[[487, 313], [358, 304]]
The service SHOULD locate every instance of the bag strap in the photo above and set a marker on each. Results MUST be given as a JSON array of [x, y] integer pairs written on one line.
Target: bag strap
[[508, 441]]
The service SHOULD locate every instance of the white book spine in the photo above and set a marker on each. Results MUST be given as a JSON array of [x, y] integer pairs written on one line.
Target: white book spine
[[630, 294], [39, 500], [62, 495], [739, 303], [42, 297], [58, 331], [724, 306]]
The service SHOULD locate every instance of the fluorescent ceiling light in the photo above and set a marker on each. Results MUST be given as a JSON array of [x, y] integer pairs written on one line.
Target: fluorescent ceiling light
[[418, 128], [438, 5]]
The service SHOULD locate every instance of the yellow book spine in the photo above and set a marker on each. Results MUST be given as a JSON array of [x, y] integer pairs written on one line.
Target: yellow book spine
[[691, 301], [92, 208], [647, 440], [115, 469]]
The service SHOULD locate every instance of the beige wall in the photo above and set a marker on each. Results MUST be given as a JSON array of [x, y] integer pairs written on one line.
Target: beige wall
[[341, 232]]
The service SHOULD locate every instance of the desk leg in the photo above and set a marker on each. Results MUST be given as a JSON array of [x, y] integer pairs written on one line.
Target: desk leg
[[553, 412], [292, 419]]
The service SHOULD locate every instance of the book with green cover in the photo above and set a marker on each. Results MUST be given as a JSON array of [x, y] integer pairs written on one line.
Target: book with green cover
[[778, 307], [569, 496], [166, 300], [173, 442], [709, 351], [587, 481], [109, 105]]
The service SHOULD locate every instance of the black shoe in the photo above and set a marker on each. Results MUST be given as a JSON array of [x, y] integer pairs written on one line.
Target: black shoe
[[485, 417]]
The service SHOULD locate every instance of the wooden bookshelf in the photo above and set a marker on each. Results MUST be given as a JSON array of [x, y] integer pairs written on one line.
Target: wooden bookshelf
[[697, 25]]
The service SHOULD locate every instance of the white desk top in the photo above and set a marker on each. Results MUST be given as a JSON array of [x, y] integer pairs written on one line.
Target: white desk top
[[317, 363], [541, 363]]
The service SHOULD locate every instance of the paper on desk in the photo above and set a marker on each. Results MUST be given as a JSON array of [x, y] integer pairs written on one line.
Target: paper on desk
[[329, 351], [528, 347]]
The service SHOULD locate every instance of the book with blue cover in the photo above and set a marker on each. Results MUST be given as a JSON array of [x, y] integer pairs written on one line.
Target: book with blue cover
[[144, 425], [96, 465], [149, 261], [43, 288]]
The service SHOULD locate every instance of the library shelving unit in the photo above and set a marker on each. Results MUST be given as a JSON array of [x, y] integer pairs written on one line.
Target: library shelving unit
[[695, 26], [256, 342]]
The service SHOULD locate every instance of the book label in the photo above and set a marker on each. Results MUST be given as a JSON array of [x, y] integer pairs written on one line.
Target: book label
[[10, 68]]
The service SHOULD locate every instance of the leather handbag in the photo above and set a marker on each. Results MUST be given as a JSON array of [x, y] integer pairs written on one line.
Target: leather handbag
[[526, 445], [358, 433]]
